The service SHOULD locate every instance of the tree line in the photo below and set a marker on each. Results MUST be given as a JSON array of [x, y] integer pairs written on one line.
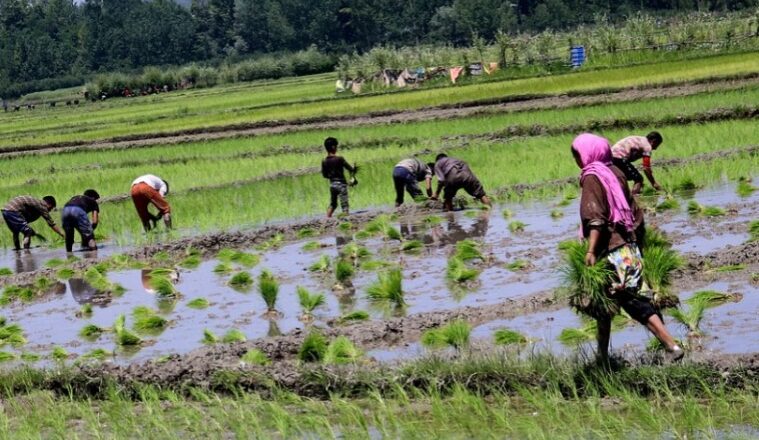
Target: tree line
[[59, 42]]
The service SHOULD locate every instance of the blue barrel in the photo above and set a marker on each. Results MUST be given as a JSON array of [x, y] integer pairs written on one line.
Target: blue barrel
[[577, 56]]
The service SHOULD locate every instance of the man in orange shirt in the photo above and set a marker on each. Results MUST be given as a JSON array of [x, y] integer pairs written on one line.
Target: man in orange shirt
[[150, 189]]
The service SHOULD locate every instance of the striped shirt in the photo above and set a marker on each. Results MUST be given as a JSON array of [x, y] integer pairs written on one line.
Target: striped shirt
[[632, 148], [30, 208]]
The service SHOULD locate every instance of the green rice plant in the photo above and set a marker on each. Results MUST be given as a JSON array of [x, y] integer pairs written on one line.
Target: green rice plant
[[343, 271], [272, 243], [341, 351], [147, 320], [209, 338], [658, 265], [98, 280], [85, 311], [518, 265], [686, 184], [30, 357], [65, 273], [191, 261], [321, 265], [306, 233], [565, 245], [458, 271], [745, 188], [312, 246], [668, 204], [161, 282], [517, 226], [97, 354], [122, 261], [358, 315], [753, 230], [557, 214], [59, 354], [246, 259], [355, 252], [506, 336], [309, 302], [585, 286], [268, 287], [233, 335], [91, 332], [378, 225], [656, 238], [388, 289], [12, 335], [161, 257], [4, 271], [241, 280], [55, 262], [694, 208], [374, 265], [432, 220], [198, 303], [730, 268], [223, 268], [313, 348], [573, 337], [226, 254], [124, 337], [345, 226], [255, 356], [455, 334], [13, 292], [467, 250], [507, 213], [392, 233], [6, 356], [412, 246]]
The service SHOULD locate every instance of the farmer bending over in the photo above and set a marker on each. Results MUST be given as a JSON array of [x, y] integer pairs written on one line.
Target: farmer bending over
[[149, 189], [453, 175], [74, 216], [406, 174], [22, 210], [607, 212], [333, 167], [632, 148]]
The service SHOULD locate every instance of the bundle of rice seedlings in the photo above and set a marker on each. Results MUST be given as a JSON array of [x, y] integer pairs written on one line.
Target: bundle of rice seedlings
[[358, 315], [658, 265], [341, 351], [355, 252], [669, 203], [191, 261], [13, 292], [432, 220], [575, 336], [241, 280], [311, 246], [374, 265], [123, 336], [744, 188], [321, 265], [223, 268], [5, 271], [505, 336], [656, 238], [557, 214], [272, 243], [161, 257], [85, 311], [97, 354], [313, 348], [65, 273], [730, 268], [55, 262], [12, 335], [458, 271], [209, 338], [697, 305], [59, 354], [30, 357], [343, 271], [517, 226], [306, 233], [161, 281], [518, 265], [695, 208], [121, 261], [91, 332], [345, 226], [255, 356], [98, 280], [309, 302], [586, 286], [686, 184], [378, 225], [6, 356], [468, 250], [392, 233], [233, 335], [245, 259], [198, 303], [507, 214], [455, 334], [412, 246], [388, 288], [269, 289], [147, 320]]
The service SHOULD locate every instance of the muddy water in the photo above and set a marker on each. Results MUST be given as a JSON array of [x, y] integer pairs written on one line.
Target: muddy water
[[53, 321], [36, 257]]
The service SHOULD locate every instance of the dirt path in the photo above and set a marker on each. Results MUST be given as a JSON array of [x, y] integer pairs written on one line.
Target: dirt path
[[492, 106]]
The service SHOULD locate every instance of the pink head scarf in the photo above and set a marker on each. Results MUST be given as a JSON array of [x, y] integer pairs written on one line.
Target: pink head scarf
[[595, 157]]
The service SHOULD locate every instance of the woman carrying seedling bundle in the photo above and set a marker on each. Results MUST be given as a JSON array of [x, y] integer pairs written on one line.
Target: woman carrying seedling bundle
[[607, 212]]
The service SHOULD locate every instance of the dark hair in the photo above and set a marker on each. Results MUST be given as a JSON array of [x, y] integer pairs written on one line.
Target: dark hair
[[330, 144], [655, 138], [166, 182], [91, 193], [50, 200], [431, 166], [440, 156]]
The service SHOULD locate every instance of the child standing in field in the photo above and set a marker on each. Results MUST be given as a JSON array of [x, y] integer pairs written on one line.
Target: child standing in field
[[333, 168]]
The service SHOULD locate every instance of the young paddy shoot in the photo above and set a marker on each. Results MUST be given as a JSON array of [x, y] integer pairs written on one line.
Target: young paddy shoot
[[516, 226], [467, 250], [313, 348], [255, 356], [458, 271], [241, 281], [341, 351], [506, 336], [124, 337], [233, 335], [198, 303], [585, 286], [268, 287], [309, 302], [388, 289], [147, 320], [455, 334], [209, 338], [91, 332], [356, 316], [323, 264]]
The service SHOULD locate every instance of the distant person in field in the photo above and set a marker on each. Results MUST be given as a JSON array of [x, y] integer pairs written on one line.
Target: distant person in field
[[632, 148], [333, 168], [609, 217], [150, 189], [453, 175], [21, 211], [75, 217], [406, 174]]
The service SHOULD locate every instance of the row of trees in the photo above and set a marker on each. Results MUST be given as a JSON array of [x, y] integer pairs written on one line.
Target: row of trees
[[52, 38]]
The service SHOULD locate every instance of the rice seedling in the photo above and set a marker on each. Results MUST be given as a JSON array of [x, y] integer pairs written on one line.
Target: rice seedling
[[85, 311], [358, 315], [272, 243], [98, 280], [223, 268], [343, 271], [91, 332], [695, 208], [255, 356], [321, 265], [97, 354], [246, 259], [412, 246], [13, 292], [506, 336], [507, 213], [573, 337], [4, 271], [518, 265], [161, 257], [378, 225], [241, 280], [471, 213], [586, 285], [388, 289], [730, 268], [374, 265], [454, 334], [312, 246], [268, 287], [458, 271], [209, 338], [12, 335], [306, 233], [668, 204], [121, 261], [55, 262], [686, 184], [59, 354], [161, 281], [753, 230], [341, 351], [467, 250], [198, 303], [233, 335], [557, 214], [392, 233], [30, 357], [147, 320], [517, 226], [658, 265], [124, 337], [309, 302], [345, 226], [6, 356], [656, 238], [65, 273], [355, 252], [745, 188], [313, 349], [191, 262]]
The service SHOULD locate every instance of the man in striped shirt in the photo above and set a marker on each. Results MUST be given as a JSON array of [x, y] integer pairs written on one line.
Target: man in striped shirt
[[632, 148], [406, 174], [22, 210]]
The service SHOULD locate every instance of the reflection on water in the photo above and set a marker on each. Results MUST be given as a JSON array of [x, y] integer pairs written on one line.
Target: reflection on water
[[449, 233], [26, 261], [147, 276]]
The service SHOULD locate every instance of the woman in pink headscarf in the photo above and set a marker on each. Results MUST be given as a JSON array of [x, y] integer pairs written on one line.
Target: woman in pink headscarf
[[608, 213]]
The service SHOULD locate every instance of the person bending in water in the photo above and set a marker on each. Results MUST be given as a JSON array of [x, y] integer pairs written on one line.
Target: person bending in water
[[632, 148], [406, 174], [74, 217], [453, 175], [149, 189], [21, 211]]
